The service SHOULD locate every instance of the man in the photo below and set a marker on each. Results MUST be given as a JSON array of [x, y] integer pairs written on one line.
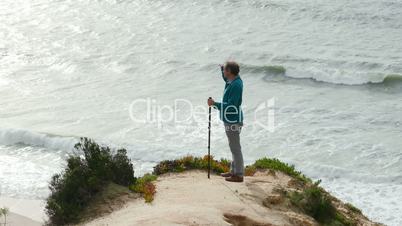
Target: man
[[232, 117]]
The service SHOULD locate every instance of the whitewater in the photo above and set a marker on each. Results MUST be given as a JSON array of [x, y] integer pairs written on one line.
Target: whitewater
[[331, 71]]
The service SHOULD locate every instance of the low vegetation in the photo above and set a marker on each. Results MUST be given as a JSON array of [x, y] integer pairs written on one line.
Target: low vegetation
[[191, 163], [276, 164], [4, 212], [353, 209], [145, 186], [314, 201], [250, 170]]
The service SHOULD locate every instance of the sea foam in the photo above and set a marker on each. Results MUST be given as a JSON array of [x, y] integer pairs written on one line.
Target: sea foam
[[10, 136]]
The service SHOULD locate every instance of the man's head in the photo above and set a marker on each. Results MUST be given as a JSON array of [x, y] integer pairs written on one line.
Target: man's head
[[231, 69]]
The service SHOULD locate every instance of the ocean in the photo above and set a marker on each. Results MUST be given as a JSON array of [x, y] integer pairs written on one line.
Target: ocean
[[329, 72]]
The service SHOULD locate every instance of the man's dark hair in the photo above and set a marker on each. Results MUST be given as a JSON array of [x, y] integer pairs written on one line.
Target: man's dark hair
[[233, 67]]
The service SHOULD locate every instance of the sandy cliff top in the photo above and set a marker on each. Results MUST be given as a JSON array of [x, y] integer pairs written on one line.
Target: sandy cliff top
[[190, 198]]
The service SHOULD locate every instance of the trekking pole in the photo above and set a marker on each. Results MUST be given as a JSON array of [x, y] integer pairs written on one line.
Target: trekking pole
[[209, 140]]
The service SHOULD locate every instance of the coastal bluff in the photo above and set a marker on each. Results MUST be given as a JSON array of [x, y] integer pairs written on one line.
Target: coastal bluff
[[190, 198]]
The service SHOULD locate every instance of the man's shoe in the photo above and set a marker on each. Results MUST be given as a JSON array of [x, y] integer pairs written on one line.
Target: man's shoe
[[234, 179], [228, 174]]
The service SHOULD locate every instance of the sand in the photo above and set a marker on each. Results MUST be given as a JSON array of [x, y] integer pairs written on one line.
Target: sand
[[14, 219], [24, 212], [191, 199]]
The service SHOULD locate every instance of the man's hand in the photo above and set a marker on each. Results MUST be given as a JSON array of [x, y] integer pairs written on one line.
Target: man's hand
[[211, 102]]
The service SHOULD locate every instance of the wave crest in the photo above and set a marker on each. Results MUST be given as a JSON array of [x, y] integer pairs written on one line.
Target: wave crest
[[268, 69], [332, 76], [19, 136]]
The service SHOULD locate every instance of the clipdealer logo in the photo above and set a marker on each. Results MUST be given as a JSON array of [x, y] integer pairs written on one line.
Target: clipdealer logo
[[184, 112]]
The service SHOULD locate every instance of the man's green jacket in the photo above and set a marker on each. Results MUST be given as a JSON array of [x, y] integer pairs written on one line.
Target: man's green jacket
[[230, 107]]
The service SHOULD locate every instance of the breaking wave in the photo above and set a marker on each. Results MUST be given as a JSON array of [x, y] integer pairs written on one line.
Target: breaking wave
[[19, 136], [327, 76]]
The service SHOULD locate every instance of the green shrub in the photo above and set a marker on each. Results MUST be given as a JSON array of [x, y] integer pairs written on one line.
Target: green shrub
[[353, 208], [250, 170], [83, 178], [315, 202], [122, 169], [276, 164], [138, 186], [191, 163], [145, 186]]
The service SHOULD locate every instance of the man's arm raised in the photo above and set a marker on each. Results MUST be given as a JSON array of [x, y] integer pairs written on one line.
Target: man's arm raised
[[223, 75]]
